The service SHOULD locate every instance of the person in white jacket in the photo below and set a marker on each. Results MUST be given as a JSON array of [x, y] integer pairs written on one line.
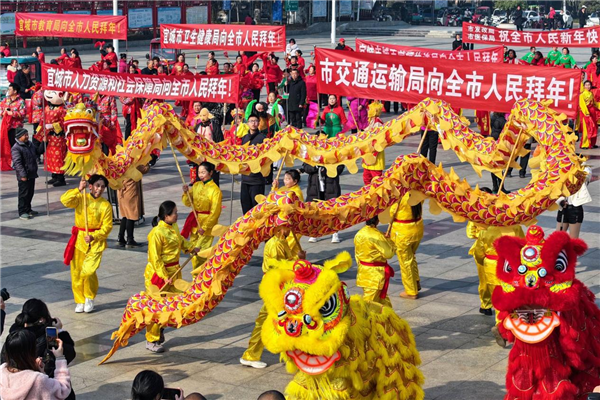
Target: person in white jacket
[[570, 213], [22, 376]]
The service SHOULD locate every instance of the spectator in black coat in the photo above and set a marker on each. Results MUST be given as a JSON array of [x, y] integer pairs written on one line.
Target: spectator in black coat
[[24, 156], [457, 44], [35, 318], [254, 183], [583, 16], [519, 18], [24, 81], [498, 122], [322, 187], [297, 98]]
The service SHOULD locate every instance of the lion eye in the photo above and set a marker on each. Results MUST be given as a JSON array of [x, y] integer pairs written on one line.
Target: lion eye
[[561, 262], [329, 307], [507, 267]]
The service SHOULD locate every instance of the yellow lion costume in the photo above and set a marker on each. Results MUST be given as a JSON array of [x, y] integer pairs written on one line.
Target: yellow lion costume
[[340, 347]]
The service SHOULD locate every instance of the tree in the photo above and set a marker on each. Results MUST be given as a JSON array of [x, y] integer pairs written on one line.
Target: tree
[[509, 4]]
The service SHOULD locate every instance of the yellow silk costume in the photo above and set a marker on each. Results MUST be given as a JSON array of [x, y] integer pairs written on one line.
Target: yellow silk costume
[[290, 239], [371, 246], [485, 256], [165, 244], [378, 165], [87, 257], [206, 197], [587, 103], [406, 235], [276, 250]]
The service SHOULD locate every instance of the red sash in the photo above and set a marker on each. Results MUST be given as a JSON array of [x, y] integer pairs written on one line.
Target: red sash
[[70, 249], [157, 280], [191, 222], [389, 272], [491, 257]]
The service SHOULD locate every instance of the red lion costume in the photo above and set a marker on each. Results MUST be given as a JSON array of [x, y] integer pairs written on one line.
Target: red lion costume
[[549, 315]]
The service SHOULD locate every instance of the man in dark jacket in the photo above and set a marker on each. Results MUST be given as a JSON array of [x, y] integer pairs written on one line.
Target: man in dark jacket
[[457, 44], [297, 98], [519, 18], [254, 183], [24, 155], [583, 16], [24, 81]]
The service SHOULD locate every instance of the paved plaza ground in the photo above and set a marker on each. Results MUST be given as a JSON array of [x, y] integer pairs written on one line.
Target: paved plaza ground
[[460, 359]]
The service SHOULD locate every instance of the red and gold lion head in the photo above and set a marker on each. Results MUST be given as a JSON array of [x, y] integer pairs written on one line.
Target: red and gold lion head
[[549, 315]]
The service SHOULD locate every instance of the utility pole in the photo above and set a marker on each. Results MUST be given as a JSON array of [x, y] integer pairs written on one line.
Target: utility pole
[[333, 21], [116, 41]]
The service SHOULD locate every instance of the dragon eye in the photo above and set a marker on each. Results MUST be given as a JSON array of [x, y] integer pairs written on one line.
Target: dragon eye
[[542, 272], [507, 267], [561, 262], [281, 314], [329, 307], [522, 269]]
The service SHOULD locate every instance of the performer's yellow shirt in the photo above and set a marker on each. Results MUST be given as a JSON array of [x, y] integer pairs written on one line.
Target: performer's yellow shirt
[[401, 211], [484, 245], [99, 216], [296, 189], [207, 198], [276, 249], [371, 246], [165, 243], [378, 165], [586, 99]]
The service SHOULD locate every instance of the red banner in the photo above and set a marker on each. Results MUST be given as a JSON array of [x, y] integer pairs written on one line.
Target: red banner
[[217, 89], [584, 37], [469, 85], [71, 25], [491, 54], [223, 37]]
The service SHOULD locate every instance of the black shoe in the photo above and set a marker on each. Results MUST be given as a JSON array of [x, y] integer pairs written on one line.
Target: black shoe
[[32, 212], [121, 242], [59, 183], [51, 181], [418, 286], [595, 147], [485, 311], [132, 244], [521, 176], [509, 175], [161, 339]]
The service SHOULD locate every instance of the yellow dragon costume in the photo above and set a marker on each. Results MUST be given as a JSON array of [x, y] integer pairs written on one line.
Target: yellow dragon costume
[[560, 173], [339, 347]]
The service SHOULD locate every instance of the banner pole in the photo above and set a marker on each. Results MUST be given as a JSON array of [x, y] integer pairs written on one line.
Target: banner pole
[[45, 154]]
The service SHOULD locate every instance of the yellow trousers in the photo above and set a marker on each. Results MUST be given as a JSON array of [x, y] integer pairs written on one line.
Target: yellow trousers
[[373, 295], [487, 282], [84, 280], [153, 331], [406, 252], [255, 345], [201, 242]]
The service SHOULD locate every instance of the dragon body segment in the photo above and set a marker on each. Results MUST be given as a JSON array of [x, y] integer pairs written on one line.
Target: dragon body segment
[[560, 173]]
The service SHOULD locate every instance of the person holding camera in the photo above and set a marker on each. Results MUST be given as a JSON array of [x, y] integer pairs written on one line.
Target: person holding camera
[[36, 318], [22, 376]]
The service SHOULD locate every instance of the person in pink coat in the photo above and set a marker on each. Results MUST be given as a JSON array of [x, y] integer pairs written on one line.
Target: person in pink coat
[[357, 115], [22, 375]]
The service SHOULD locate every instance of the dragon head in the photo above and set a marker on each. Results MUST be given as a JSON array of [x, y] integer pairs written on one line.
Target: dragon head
[[375, 109], [308, 308], [537, 282], [80, 127]]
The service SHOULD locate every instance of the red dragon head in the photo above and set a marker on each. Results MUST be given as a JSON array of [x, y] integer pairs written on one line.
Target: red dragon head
[[549, 314]]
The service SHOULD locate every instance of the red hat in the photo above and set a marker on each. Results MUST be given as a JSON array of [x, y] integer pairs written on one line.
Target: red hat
[[342, 40]]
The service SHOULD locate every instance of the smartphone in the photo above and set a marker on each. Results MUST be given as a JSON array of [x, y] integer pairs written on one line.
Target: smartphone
[[170, 394], [51, 336]]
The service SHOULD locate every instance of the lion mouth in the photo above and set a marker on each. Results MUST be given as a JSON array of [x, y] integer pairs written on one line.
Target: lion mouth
[[313, 365], [532, 325]]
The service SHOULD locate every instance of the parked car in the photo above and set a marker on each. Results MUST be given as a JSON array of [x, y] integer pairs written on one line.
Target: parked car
[[416, 18], [593, 19], [499, 17], [532, 19], [168, 57], [568, 21], [481, 12], [35, 71]]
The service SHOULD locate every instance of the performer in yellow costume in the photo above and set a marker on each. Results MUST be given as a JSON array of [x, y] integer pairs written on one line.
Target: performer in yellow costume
[[277, 250], [165, 243], [88, 239], [291, 181], [372, 250], [206, 197], [589, 116], [375, 169], [486, 258], [407, 232]]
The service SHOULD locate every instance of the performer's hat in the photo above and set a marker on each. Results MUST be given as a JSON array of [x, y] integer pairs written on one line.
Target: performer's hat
[[20, 132], [343, 40]]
